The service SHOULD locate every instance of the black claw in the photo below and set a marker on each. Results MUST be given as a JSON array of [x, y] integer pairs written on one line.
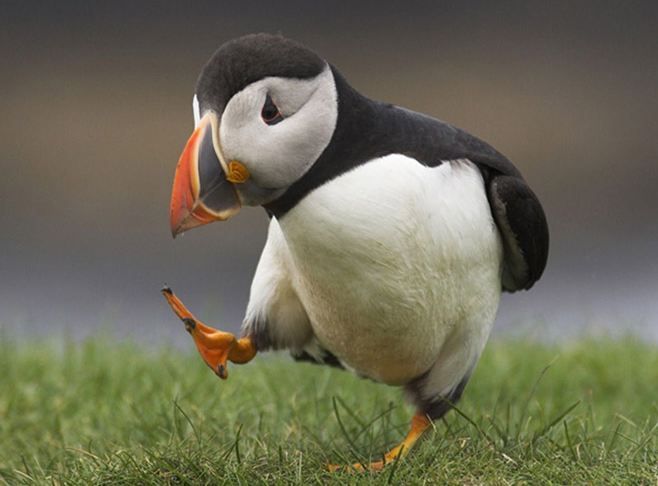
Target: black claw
[[165, 289], [221, 371], [190, 324]]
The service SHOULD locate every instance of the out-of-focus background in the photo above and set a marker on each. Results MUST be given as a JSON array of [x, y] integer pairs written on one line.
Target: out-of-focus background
[[95, 107]]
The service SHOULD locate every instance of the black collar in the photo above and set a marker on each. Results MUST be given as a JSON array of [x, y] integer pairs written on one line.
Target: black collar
[[366, 130]]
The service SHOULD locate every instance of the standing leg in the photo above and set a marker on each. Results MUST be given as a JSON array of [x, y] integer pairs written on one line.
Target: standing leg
[[419, 424], [428, 411]]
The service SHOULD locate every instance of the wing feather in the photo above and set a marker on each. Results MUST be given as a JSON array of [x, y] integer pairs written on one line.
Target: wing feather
[[524, 230]]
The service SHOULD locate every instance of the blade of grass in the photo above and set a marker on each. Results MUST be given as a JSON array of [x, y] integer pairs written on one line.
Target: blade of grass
[[189, 421], [394, 466], [524, 411], [611, 443], [548, 427], [569, 442], [474, 424], [344, 431]]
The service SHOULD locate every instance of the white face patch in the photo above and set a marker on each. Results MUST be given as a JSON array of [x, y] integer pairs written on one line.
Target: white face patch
[[195, 110], [278, 155]]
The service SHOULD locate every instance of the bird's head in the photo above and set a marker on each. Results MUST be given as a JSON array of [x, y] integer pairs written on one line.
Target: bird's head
[[265, 108]]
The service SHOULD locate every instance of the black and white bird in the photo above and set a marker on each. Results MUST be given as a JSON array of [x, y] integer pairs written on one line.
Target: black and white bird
[[391, 237]]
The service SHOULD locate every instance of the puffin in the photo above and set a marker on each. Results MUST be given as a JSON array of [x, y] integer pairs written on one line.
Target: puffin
[[391, 237]]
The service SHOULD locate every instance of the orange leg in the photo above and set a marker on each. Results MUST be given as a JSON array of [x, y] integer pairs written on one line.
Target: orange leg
[[215, 347], [419, 424]]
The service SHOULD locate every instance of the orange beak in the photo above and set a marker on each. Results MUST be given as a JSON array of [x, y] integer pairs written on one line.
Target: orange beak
[[201, 193]]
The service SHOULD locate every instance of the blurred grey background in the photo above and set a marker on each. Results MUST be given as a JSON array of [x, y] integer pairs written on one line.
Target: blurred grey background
[[95, 107]]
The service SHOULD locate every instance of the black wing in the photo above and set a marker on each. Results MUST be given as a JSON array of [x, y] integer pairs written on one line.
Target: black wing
[[522, 225]]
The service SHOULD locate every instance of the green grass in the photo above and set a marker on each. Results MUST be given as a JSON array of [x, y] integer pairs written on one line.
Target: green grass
[[102, 412]]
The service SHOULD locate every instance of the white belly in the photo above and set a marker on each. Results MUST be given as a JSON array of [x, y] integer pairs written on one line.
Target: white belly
[[392, 260]]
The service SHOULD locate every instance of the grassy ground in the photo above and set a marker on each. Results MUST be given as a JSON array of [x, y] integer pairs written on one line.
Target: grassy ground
[[101, 412]]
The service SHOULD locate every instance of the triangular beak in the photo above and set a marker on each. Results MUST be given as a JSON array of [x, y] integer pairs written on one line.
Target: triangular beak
[[201, 193]]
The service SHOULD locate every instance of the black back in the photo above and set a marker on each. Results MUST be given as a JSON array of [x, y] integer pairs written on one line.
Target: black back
[[367, 129]]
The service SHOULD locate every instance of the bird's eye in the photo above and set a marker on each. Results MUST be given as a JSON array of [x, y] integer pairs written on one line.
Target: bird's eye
[[270, 113]]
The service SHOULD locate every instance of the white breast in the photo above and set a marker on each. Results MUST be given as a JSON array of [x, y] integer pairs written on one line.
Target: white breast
[[392, 260]]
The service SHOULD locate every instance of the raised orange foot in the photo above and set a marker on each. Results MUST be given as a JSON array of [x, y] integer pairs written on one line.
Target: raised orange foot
[[215, 347]]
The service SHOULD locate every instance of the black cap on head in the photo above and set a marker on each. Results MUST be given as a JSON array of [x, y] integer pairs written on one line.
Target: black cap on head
[[247, 59]]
